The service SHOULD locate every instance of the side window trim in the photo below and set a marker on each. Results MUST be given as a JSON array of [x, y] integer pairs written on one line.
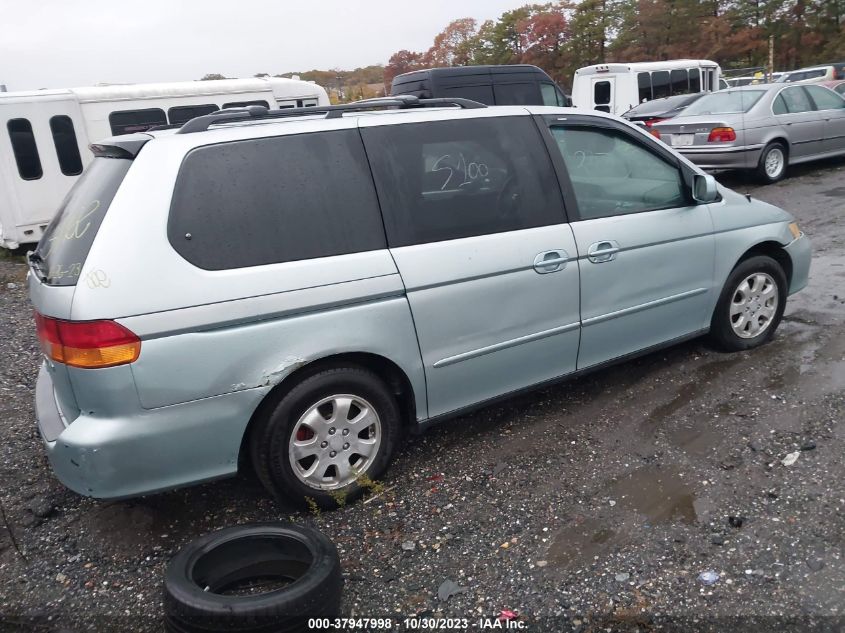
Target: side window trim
[[573, 211]]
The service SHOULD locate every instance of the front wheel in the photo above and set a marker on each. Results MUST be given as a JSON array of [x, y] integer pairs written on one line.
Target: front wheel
[[328, 438], [751, 305]]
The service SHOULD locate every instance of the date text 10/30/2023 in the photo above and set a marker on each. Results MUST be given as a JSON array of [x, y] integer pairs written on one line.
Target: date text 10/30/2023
[[416, 624]]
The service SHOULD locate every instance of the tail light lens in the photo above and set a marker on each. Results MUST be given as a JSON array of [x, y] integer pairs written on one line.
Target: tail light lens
[[721, 135], [87, 344], [651, 122], [654, 132]]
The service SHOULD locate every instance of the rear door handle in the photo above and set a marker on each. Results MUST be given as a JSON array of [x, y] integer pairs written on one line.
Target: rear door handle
[[604, 251], [550, 261]]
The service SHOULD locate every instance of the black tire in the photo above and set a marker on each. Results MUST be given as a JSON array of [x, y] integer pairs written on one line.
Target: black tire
[[721, 331], [761, 172], [236, 554], [271, 436]]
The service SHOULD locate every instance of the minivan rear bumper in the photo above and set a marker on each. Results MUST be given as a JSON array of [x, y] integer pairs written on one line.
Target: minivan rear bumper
[[155, 450]]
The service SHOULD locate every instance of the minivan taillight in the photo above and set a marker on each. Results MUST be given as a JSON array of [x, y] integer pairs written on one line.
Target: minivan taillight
[[721, 135], [87, 344]]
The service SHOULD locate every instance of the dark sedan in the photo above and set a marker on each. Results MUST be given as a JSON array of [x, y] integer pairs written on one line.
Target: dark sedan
[[658, 110]]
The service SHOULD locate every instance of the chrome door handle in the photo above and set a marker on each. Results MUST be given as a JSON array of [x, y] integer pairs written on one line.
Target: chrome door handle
[[604, 251], [550, 261]]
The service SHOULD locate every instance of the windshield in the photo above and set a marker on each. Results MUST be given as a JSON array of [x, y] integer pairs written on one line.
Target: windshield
[[67, 240], [725, 102]]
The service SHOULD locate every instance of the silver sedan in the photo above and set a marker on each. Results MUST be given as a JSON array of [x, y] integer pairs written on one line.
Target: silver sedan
[[763, 128]]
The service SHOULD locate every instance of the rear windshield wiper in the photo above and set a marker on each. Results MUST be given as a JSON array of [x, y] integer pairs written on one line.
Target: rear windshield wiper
[[38, 265]]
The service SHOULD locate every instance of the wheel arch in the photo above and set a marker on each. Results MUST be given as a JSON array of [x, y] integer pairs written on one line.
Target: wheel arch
[[772, 249], [387, 370]]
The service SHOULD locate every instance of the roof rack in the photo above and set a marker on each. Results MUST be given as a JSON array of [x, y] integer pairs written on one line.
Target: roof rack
[[257, 112]]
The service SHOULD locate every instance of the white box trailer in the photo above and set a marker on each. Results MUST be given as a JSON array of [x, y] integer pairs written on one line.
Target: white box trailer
[[618, 87], [44, 134]]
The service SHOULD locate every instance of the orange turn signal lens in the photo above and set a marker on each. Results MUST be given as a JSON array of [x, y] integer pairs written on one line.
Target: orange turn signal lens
[[793, 228]]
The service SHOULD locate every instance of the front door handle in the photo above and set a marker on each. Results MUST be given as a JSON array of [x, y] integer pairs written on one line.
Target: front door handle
[[550, 261], [604, 251]]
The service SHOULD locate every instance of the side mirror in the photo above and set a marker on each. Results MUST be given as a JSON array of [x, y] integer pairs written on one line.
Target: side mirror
[[704, 188]]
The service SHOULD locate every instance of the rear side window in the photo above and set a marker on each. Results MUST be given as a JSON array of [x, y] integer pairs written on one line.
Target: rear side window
[[67, 150], [131, 121], [796, 100], [680, 81], [660, 84], [644, 86], [516, 94], [68, 239], [825, 99], [243, 104], [446, 180], [182, 114], [694, 80], [24, 149], [274, 200]]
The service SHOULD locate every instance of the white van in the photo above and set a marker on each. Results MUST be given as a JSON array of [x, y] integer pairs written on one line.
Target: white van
[[616, 88], [44, 134]]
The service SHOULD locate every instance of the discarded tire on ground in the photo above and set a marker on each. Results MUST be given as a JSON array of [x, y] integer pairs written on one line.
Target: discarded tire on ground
[[253, 578]]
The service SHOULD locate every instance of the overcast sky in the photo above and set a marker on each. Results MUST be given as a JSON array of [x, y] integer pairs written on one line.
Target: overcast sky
[[66, 43]]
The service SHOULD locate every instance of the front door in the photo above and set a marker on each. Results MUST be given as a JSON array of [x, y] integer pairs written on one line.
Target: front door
[[831, 108], [476, 225], [646, 251]]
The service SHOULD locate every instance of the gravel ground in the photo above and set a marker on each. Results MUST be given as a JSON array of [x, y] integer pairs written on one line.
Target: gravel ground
[[592, 505]]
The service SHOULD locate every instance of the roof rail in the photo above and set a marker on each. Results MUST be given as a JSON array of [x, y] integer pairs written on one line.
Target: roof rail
[[256, 112]]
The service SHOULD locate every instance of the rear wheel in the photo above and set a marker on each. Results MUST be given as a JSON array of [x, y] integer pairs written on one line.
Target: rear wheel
[[773, 161], [751, 305], [330, 434]]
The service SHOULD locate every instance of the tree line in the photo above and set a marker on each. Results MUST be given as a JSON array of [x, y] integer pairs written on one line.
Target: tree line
[[563, 36]]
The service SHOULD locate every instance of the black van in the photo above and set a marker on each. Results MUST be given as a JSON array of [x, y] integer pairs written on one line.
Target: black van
[[520, 84]]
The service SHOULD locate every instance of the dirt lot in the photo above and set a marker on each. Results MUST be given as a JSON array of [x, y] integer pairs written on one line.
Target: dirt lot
[[592, 505]]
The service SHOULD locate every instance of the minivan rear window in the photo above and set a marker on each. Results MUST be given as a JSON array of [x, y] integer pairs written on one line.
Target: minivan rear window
[[67, 241]]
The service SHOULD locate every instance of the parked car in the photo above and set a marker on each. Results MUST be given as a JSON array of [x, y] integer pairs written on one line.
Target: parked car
[[837, 86], [817, 73], [517, 84], [295, 289], [762, 128], [652, 112]]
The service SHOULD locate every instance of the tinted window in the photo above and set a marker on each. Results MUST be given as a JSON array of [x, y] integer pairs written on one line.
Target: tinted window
[[825, 99], [274, 200], [725, 102], [482, 94], [694, 80], [796, 100], [660, 84], [840, 88], [24, 149], [601, 92], [515, 94], [68, 239], [779, 106], [680, 81], [452, 179], [181, 114], [812, 74], [614, 175], [130, 121], [644, 85], [243, 104], [550, 95], [67, 150]]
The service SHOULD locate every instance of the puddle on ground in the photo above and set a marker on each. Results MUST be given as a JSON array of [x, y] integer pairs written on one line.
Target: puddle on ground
[[698, 436], [579, 543], [653, 495], [659, 494]]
